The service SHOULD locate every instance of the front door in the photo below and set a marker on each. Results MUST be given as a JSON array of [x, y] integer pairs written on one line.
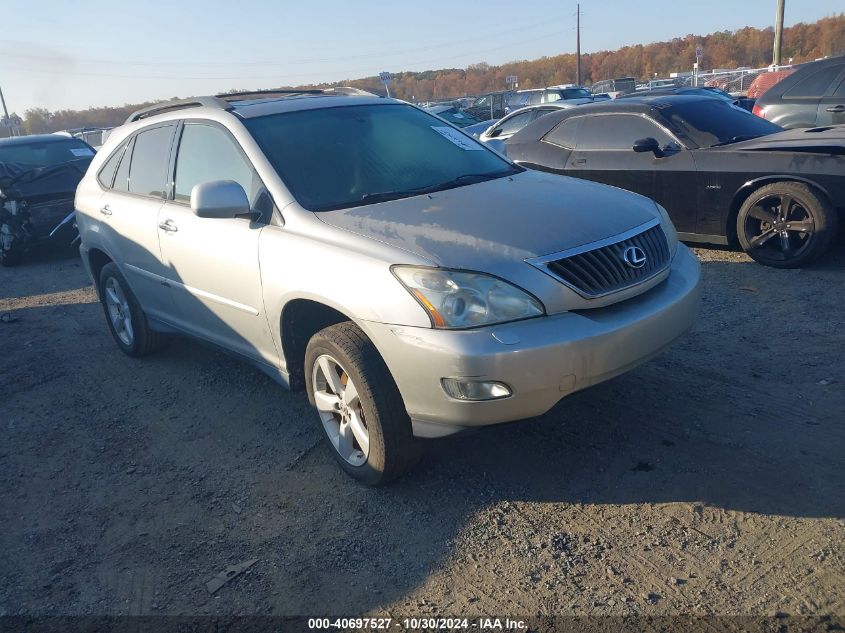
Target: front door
[[604, 154], [213, 263]]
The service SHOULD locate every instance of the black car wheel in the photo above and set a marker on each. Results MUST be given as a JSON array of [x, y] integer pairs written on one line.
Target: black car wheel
[[785, 225]]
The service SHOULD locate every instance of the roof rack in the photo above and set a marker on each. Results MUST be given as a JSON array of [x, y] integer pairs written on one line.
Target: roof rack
[[225, 101], [167, 106]]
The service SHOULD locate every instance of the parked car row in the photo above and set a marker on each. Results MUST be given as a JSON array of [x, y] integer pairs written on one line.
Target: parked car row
[[412, 281]]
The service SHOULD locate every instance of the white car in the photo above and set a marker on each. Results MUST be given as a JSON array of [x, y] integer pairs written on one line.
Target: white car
[[411, 281], [509, 125]]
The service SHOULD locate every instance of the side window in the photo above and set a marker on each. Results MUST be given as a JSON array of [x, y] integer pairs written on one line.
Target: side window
[[150, 156], [121, 179], [618, 132], [566, 133], [516, 123], [551, 97], [106, 175], [535, 98], [816, 85], [840, 91], [208, 153]]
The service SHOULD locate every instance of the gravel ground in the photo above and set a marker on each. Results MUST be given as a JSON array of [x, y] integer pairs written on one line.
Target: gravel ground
[[708, 481]]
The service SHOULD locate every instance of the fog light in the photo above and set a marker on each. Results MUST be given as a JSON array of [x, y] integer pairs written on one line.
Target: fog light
[[474, 390]]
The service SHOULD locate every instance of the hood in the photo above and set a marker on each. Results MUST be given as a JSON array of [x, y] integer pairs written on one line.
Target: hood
[[493, 226], [827, 140]]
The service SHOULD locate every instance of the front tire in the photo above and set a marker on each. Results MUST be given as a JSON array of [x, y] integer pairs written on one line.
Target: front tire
[[785, 225], [360, 407], [124, 315]]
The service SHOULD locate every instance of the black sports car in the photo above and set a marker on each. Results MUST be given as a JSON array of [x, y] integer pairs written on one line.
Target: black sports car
[[724, 175], [38, 179]]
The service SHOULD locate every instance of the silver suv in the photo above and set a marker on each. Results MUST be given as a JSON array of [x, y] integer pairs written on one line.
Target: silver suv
[[414, 282]]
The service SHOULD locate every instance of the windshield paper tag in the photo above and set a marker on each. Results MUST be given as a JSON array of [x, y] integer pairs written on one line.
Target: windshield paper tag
[[458, 138], [82, 151]]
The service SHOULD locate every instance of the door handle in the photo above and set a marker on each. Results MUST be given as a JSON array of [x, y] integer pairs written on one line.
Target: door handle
[[838, 109], [168, 226], [579, 161], [105, 210]]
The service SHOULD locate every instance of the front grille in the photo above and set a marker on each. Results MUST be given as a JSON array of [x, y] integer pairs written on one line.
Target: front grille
[[602, 270]]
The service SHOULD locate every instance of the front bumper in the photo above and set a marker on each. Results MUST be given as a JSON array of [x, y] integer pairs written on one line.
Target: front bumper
[[542, 359]]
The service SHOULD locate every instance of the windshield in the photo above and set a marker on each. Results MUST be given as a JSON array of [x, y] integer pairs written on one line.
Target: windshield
[[45, 153], [333, 158], [711, 122]]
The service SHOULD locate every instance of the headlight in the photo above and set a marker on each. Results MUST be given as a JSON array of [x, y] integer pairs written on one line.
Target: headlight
[[455, 299], [668, 228]]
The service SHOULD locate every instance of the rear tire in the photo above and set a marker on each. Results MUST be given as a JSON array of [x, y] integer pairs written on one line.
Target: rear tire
[[361, 409], [124, 315], [786, 225]]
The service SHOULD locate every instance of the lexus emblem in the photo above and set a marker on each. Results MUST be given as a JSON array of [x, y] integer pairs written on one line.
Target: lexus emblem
[[634, 257]]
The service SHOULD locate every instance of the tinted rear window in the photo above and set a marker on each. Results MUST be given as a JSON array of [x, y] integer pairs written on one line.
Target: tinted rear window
[[148, 172], [815, 85]]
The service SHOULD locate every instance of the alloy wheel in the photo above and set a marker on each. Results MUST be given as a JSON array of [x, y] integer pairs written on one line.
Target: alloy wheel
[[119, 311], [780, 225], [339, 406]]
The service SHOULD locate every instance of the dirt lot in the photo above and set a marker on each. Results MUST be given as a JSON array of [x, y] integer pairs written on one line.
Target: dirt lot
[[709, 481]]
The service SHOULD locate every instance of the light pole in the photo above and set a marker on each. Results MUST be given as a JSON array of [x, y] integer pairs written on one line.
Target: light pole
[[776, 57], [578, 45]]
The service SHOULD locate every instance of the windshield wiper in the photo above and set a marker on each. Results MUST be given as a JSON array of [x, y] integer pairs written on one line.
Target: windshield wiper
[[737, 139], [463, 179]]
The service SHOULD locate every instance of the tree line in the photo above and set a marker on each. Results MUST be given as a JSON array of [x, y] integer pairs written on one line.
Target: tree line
[[724, 49]]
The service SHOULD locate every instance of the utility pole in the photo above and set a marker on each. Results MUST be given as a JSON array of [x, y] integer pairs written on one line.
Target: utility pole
[[6, 113], [578, 44], [776, 57]]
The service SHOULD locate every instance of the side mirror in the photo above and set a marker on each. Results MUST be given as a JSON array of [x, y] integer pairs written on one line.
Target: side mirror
[[648, 145], [493, 133], [219, 199]]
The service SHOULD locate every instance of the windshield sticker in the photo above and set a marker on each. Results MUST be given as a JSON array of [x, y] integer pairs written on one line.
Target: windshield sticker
[[82, 151], [458, 138]]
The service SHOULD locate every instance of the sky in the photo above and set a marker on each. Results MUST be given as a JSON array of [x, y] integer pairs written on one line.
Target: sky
[[75, 54]]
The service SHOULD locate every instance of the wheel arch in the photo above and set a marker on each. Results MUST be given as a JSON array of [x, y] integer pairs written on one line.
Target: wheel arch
[[300, 319], [744, 192], [97, 259]]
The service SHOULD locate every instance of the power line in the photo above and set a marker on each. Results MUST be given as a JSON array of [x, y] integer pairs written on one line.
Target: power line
[[274, 77], [172, 62]]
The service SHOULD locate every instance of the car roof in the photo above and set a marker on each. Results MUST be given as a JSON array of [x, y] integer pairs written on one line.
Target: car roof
[[36, 138], [635, 105], [263, 102]]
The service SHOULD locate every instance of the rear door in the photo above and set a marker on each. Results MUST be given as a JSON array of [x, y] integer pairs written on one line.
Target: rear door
[[805, 104], [832, 105], [604, 154], [129, 210], [213, 263]]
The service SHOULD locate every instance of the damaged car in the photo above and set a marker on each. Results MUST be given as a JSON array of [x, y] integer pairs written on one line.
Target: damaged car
[[38, 179]]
